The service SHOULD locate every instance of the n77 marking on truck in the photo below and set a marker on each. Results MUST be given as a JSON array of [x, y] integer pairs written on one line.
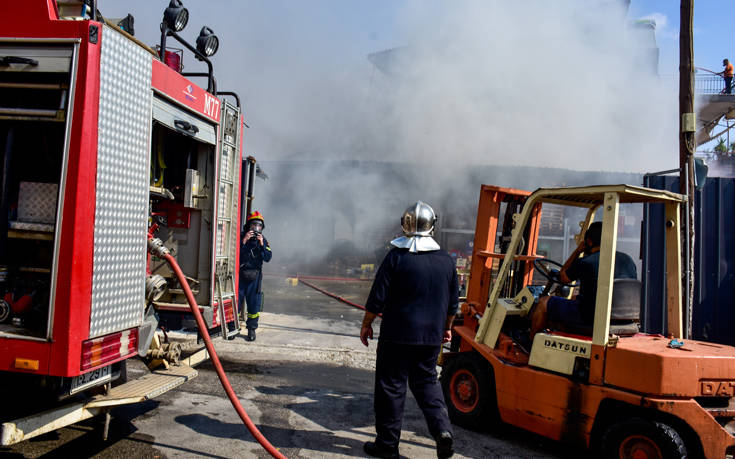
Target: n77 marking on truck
[[211, 106]]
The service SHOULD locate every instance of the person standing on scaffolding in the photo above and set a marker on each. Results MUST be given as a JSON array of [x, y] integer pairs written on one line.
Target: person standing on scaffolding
[[253, 252], [727, 75]]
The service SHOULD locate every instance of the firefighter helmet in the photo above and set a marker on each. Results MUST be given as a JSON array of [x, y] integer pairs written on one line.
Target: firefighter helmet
[[255, 216], [418, 220]]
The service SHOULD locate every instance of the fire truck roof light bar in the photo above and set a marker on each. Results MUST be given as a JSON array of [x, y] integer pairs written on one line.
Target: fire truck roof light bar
[[209, 42], [176, 16], [211, 85]]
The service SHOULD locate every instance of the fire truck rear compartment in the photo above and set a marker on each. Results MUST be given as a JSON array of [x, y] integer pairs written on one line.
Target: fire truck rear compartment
[[181, 204], [34, 99]]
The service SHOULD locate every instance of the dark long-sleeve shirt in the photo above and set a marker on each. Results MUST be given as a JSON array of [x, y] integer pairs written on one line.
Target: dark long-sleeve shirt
[[252, 254], [415, 292], [587, 270]]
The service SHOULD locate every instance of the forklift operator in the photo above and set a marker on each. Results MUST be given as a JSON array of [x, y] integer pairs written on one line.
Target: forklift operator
[[580, 311]]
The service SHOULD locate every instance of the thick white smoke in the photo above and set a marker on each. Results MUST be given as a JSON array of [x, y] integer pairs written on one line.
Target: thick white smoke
[[530, 83], [475, 83]]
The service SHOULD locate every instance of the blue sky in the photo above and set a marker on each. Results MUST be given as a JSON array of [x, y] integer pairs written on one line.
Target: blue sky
[[369, 26], [713, 31]]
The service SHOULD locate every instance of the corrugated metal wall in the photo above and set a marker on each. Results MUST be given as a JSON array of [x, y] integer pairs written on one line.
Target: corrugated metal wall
[[713, 317]]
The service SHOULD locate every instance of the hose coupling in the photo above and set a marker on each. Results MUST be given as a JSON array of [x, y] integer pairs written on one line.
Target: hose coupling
[[156, 247], [170, 352]]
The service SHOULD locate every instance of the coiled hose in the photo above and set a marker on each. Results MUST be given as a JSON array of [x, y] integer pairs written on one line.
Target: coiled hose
[[157, 248]]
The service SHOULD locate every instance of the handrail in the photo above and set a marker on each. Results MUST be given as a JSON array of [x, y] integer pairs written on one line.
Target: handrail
[[705, 84]]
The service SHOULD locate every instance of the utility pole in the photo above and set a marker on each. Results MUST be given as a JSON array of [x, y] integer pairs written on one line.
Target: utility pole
[[687, 145]]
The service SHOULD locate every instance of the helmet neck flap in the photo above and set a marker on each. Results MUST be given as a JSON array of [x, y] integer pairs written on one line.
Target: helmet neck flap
[[416, 243]]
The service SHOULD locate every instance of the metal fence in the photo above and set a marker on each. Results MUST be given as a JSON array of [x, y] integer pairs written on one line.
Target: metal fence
[[709, 84], [704, 83]]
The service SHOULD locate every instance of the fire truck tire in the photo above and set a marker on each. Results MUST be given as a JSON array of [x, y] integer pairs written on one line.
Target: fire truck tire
[[4, 311], [123, 376], [469, 390], [638, 437]]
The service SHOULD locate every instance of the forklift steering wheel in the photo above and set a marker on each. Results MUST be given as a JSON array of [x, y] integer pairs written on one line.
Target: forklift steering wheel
[[550, 270]]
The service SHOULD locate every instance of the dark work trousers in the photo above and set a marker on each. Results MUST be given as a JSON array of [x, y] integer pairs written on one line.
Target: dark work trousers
[[250, 292], [396, 365], [728, 85]]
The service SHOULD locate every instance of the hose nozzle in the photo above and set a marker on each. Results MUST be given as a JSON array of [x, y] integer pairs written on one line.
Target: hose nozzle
[[156, 247]]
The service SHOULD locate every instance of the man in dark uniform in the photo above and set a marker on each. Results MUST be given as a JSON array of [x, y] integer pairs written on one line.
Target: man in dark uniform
[[253, 252], [580, 310], [416, 291]]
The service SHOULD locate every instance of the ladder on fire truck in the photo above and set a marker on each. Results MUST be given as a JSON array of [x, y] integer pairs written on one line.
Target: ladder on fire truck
[[227, 218]]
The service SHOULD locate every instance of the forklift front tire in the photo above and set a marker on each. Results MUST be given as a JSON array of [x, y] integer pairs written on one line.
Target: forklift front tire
[[638, 437], [469, 391]]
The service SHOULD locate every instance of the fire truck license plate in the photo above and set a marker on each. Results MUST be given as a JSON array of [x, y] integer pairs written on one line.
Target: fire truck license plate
[[90, 379]]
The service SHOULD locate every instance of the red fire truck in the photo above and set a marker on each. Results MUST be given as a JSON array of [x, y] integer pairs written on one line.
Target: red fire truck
[[103, 145]]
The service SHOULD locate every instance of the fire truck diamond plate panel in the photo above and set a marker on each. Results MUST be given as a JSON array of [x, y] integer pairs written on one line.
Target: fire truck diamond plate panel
[[120, 223]]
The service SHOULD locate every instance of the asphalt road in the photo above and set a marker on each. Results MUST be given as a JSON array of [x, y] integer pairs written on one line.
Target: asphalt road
[[307, 384]]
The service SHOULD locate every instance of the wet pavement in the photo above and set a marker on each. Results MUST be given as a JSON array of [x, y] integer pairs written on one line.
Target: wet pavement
[[307, 384]]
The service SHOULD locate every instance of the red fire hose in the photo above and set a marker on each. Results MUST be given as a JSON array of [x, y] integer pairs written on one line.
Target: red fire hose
[[157, 248], [338, 279], [332, 295], [324, 278]]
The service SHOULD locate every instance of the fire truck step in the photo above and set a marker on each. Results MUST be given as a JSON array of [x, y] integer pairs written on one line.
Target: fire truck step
[[146, 387], [141, 389]]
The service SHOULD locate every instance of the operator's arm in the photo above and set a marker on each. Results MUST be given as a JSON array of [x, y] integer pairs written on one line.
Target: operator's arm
[[574, 256]]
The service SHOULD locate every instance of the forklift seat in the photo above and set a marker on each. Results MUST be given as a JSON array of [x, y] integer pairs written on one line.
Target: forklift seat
[[626, 301], [625, 310]]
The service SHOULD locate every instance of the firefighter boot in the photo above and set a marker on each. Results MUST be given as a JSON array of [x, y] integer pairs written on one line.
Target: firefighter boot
[[375, 449], [251, 334], [444, 445]]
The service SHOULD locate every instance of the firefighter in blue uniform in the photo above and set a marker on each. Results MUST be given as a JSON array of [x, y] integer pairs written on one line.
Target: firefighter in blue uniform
[[416, 291], [253, 252]]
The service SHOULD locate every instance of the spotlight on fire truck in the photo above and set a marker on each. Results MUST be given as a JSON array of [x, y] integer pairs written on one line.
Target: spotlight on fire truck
[[176, 16], [207, 42]]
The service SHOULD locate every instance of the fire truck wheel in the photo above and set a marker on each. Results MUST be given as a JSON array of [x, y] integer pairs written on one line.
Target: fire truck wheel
[[122, 377], [642, 438], [469, 390], [4, 311]]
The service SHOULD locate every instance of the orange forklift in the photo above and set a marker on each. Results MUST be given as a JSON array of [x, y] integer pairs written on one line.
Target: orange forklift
[[609, 387]]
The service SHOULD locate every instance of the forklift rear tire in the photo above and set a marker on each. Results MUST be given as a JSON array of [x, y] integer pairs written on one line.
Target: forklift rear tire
[[638, 437], [469, 391]]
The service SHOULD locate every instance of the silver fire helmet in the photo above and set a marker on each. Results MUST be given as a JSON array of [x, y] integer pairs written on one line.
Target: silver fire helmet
[[418, 220]]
